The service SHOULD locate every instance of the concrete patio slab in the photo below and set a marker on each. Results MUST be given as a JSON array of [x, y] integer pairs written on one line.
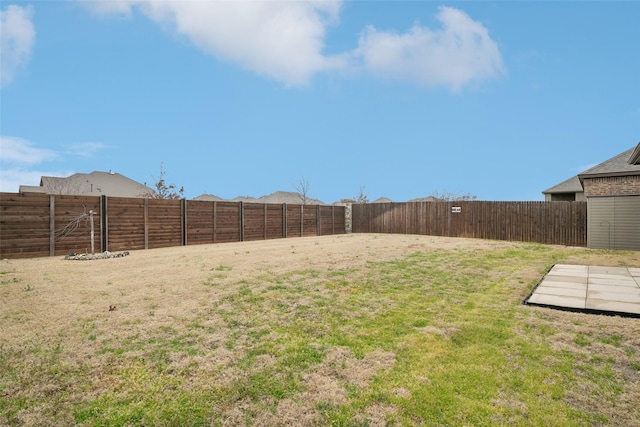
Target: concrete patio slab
[[567, 278], [567, 292], [595, 289], [614, 288], [594, 269], [630, 298], [611, 306], [572, 267], [557, 301], [564, 268], [565, 285], [613, 280]]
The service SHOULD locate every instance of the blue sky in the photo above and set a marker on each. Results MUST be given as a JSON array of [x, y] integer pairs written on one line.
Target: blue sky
[[499, 99]]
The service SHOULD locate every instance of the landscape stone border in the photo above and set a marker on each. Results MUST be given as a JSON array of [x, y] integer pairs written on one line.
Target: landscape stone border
[[88, 257]]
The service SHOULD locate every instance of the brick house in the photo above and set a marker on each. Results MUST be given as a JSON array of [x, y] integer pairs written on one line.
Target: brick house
[[612, 191], [618, 176]]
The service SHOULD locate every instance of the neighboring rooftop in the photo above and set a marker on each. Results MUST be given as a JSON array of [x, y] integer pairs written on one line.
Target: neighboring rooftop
[[424, 199], [278, 197], [383, 200], [208, 198], [89, 184], [293, 198]]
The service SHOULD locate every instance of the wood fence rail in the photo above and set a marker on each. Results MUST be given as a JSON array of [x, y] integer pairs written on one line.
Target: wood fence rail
[[557, 223], [34, 225]]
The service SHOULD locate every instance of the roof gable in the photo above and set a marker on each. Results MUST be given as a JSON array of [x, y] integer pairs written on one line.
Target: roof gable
[[623, 164], [571, 185]]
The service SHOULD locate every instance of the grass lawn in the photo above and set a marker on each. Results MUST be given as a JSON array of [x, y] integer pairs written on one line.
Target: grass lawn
[[355, 330]]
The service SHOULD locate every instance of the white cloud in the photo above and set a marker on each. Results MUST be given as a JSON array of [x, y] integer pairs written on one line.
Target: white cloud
[[17, 37], [12, 178], [285, 40], [18, 156], [87, 149], [453, 56], [114, 7], [281, 40], [20, 151]]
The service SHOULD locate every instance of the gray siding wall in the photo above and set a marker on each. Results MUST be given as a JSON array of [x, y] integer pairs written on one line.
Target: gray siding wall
[[613, 222]]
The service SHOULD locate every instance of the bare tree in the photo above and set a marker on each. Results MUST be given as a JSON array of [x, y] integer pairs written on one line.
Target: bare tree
[[453, 197], [162, 189], [302, 188], [362, 197], [74, 224]]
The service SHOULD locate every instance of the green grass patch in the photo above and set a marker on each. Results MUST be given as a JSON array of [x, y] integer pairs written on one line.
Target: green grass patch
[[432, 338]]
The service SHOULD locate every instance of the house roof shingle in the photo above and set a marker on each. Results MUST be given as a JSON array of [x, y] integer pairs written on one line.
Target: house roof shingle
[[620, 165], [90, 184], [571, 185], [626, 163]]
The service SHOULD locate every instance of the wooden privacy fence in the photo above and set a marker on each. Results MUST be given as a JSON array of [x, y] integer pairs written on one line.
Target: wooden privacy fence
[[557, 223], [33, 225]]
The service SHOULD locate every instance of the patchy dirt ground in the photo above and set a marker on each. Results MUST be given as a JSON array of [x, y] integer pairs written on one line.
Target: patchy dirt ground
[[55, 290], [48, 300], [50, 291]]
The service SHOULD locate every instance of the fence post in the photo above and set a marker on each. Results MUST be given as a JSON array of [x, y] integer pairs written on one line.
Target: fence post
[[301, 220], [146, 223], [333, 219], [284, 220], [406, 218], [241, 221], [265, 221], [183, 205], [215, 231], [318, 220], [52, 225], [103, 222]]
